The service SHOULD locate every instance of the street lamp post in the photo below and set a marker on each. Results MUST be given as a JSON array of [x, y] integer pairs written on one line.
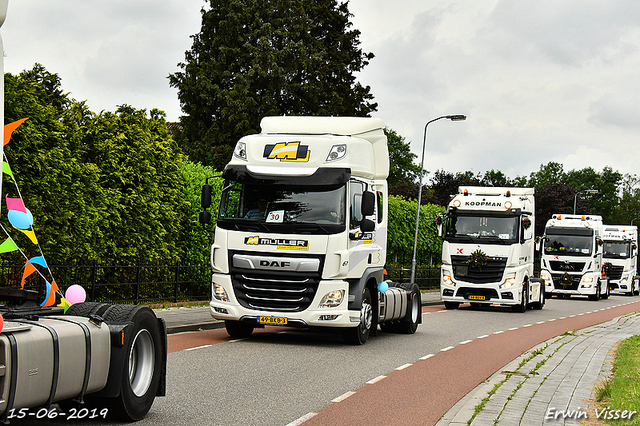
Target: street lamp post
[[587, 191], [424, 145]]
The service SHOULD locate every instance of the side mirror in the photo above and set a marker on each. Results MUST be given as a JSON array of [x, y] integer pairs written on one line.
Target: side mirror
[[440, 229], [204, 217], [368, 203], [367, 225], [205, 198]]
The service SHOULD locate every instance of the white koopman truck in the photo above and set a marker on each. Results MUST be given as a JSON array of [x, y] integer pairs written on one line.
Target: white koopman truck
[[301, 232], [571, 259], [620, 256], [488, 249]]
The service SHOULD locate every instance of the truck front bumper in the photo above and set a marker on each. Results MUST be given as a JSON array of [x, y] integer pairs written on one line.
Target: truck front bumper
[[588, 285], [225, 306]]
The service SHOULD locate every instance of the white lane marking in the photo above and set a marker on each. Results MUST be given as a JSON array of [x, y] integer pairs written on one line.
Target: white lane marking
[[377, 379], [446, 349], [302, 419], [427, 356], [465, 342], [198, 347], [343, 396], [402, 367], [483, 336]]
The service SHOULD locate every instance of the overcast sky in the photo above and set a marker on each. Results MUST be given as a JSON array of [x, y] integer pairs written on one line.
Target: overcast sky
[[540, 80]]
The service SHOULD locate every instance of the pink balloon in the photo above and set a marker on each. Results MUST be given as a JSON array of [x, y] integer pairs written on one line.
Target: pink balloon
[[75, 294]]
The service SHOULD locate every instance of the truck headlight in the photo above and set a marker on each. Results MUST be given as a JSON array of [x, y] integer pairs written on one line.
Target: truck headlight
[[508, 283], [332, 299], [220, 293], [447, 279], [545, 276], [587, 282]]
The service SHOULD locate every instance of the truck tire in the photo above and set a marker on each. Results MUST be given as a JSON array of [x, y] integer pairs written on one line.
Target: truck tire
[[142, 366], [237, 329], [359, 335], [607, 292], [409, 324], [522, 307], [86, 309], [451, 305], [595, 297]]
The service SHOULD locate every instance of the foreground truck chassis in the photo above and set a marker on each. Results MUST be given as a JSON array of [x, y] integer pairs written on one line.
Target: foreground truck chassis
[[95, 361]]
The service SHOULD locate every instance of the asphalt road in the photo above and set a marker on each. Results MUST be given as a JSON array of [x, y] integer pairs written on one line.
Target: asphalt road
[[284, 376]]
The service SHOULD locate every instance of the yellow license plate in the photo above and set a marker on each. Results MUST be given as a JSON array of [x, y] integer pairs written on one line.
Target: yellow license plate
[[472, 297], [272, 320]]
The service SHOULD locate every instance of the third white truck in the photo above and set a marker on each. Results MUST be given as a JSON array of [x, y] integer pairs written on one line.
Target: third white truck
[[488, 249], [620, 253]]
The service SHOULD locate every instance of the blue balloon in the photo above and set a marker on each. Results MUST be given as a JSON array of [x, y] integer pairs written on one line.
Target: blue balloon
[[383, 286], [20, 219]]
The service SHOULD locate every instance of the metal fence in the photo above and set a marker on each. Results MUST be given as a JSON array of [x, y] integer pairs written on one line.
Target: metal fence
[[138, 283], [145, 283]]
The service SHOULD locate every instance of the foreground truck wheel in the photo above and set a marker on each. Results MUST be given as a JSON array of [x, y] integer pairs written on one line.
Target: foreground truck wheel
[[141, 371], [237, 329], [359, 335], [410, 324]]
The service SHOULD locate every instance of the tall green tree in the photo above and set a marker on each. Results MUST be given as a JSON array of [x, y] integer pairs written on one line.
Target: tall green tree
[[254, 58], [402, 171]]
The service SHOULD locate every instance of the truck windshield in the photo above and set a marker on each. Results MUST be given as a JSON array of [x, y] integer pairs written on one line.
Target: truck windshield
[[269, 205], [489, 229], [570, 245], [616, 250]]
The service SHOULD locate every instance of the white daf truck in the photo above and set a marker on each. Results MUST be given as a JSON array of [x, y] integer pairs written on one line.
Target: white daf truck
[[620, 256], [488, 249], [301, 232], [571, 259], [92, 362]]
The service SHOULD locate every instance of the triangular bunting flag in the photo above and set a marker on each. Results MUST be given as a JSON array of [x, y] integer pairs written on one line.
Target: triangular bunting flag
[[29, 233], [7, 246], [39, 260], [50, 298], [9, 128], [16, 204], [64, 304], [28, 270], [7, 170]]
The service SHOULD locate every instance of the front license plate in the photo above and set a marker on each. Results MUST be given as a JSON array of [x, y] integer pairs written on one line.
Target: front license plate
[[272, 320], [473, 297]]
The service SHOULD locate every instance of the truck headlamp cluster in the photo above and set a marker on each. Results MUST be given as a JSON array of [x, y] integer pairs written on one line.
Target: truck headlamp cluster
[[337, 152], [332, 299], [545, 276], [587, 282], [240, 151], [447, 279], [220, 293], [508, 283]]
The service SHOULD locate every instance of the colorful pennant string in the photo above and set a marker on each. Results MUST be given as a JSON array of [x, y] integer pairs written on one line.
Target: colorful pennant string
[[21, 219]]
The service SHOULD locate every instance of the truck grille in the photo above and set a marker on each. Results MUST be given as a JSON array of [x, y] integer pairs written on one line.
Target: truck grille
[[284, 291], [572, 285], [492, 272], [615, 273], [557, 265]]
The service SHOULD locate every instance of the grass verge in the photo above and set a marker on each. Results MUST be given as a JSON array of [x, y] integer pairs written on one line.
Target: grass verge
[[622, 390]]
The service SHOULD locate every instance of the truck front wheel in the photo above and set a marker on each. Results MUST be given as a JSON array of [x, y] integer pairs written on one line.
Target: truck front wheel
[[359, 335], [142, 364], [237, 329]]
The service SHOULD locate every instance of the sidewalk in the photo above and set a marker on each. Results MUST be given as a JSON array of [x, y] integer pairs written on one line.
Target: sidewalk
[[550, 384]]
